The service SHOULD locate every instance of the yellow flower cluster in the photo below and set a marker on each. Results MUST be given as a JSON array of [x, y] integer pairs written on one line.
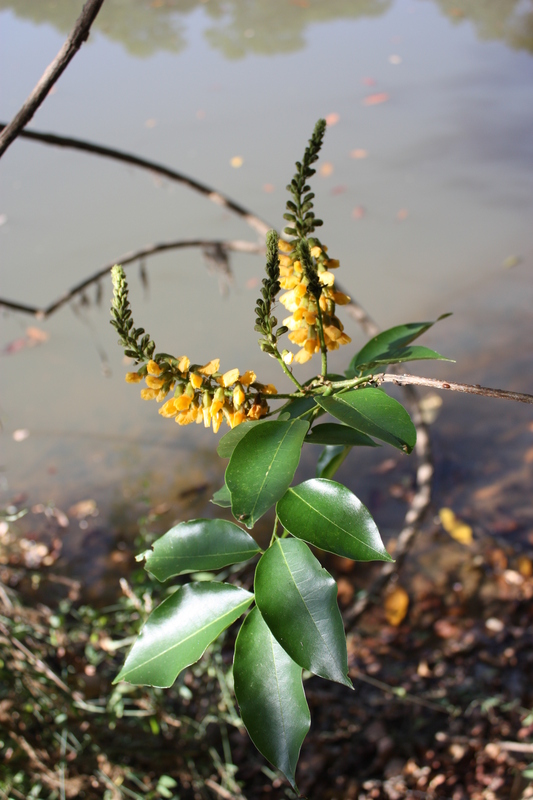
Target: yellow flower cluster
[[198, 398], [303, 307]]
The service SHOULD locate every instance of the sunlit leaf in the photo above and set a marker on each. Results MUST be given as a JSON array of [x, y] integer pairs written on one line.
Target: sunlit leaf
[[327, 515], [197, 545], [178, 631], [268, 686], [373, 412], [298, 406], [231, 439], [297, 599], [262, 467]]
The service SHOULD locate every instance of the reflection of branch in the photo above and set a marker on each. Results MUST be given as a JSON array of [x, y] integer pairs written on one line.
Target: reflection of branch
[[128, 158], [78, 35], [415, 380], [235, 246]]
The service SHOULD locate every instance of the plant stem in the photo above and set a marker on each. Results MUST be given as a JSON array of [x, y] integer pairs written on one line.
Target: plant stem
[[287, 371], [323, 347]]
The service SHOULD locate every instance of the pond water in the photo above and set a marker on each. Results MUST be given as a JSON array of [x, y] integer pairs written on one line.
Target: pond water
[[426, 190]]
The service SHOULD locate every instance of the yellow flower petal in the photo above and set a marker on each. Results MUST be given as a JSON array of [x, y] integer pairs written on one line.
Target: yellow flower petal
[[196, 380], [229, 377], [182, 403], [285, 247], [316, 251], [154, 383], [148, 394], [169, 409], [184, 363], [248, 378], [153, 369], [133, 377], [327, 278], [340, 298], [302, 356], [210, 367]]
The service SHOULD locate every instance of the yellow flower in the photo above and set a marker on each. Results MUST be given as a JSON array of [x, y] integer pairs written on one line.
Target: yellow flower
[[285, 247], [229, 377], [183, 402], [333, 263], [183, 363], [269, 389], [287, 356], [169, 409], [133, 377], [148, 394], [327, 278], [302, 356], [248, 378], [153, 369], [217, 421], [154, 383], [316, 251], [196, 379], [340, 298], [238, 395], [210, 367]]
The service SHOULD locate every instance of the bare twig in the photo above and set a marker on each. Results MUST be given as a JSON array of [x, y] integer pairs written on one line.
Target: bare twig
[[236, 246], [159, 169], [415, 380], [77, 37]]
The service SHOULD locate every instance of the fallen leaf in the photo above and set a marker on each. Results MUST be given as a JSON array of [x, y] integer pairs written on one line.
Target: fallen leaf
[[376, 99], [345, 591], [236, 162], [525, 567], [396, 605], [326, 169], [85, 508], [458, 530], [511, 261], [430, 406], [358, 153], [332, 119]]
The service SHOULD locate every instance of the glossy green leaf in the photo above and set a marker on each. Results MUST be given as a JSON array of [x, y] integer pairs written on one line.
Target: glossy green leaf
[[411, 353], [327, 515], [199, 545], [178, 631], [262, 467], [330, 460], [222, 497], [231, 439], [297, 599], [331, 433], [380, 347], [373, 412], [295, 408], [268, 687]]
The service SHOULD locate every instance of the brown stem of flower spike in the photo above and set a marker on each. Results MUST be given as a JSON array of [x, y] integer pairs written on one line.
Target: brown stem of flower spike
[[77, 37], [415, 380]]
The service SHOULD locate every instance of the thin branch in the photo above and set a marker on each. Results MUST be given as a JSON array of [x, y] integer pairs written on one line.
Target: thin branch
[[77, 37], [415, 380], [237, 246], [159, 169]]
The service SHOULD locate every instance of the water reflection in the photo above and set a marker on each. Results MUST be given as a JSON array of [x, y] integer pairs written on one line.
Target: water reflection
[[263, 27]]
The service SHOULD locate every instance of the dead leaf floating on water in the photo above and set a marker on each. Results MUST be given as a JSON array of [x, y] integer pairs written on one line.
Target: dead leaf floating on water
[[457, 529], [396, 606], [376, 99], [332, 119]]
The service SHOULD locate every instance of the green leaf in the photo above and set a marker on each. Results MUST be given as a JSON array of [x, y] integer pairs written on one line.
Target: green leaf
[[178, 631], [414, 353], [330, 460], [222, 497], [373, 412], [199, 545], [268, 687], [262, 467], [295, 408], [332, 433], [231, 439], [327, 515], [297, 599], [380, 347]]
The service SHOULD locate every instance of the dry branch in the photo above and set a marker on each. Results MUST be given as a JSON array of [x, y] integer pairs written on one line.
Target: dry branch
[[77, 37], [159, 169], [237, 246]]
